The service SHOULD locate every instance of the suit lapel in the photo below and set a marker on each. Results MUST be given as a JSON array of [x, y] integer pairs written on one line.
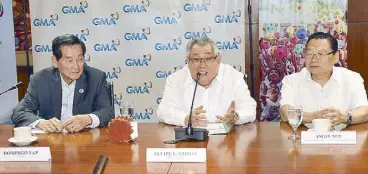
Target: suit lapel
[[56, 93], [79, 91]]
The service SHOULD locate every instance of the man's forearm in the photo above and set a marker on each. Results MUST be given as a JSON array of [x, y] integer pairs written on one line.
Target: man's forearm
[[105, 115], [23, 117], [360, 115], [307, 116], [171, 115], [246, 115], [283, 113]]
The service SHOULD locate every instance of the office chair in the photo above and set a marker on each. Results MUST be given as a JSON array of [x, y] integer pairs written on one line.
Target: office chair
[[110, 88]]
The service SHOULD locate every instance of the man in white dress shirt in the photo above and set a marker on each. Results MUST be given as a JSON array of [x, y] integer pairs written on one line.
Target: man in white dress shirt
[[323, 90], [222, 94]]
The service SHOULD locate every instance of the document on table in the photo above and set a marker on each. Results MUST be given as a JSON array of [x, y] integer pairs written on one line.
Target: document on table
[[218, 128], [134, 125], [39, 131]]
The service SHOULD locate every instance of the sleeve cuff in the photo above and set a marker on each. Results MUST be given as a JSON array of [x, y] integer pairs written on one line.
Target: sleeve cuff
[[182, 119], [95, 121], [33, 124], [245, 117]]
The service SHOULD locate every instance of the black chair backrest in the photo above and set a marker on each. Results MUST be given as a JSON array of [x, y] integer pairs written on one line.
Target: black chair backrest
[[110, 87]]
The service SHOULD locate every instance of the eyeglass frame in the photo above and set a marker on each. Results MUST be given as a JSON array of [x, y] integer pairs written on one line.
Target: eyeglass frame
[[204, 60], [318, 55]]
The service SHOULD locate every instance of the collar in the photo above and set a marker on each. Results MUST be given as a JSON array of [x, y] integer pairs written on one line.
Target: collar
[[336, 76], [219, 77], [64, 84]]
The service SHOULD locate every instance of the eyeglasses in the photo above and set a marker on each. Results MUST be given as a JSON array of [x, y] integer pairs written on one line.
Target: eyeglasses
[[206, 60], [310, 54]]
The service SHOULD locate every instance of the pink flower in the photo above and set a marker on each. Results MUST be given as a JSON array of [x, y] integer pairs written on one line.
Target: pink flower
[[280, 52], [293, 39]]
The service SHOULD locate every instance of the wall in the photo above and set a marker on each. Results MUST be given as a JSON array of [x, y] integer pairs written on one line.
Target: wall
[[357, 41], [255, 37], [358, 37]]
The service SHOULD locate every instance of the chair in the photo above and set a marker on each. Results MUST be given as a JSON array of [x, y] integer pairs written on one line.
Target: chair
[[245, 77], [110, 88]]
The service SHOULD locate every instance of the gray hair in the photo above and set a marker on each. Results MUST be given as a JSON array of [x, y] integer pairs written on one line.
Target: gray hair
[[201, 42]]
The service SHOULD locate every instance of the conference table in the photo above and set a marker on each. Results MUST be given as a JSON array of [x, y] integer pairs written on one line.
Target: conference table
[[250, 148]]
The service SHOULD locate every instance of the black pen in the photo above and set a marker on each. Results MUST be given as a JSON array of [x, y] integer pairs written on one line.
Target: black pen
[[100, 164]]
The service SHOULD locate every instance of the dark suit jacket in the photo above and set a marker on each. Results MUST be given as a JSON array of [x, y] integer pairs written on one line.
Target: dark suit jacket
[[43, 97]]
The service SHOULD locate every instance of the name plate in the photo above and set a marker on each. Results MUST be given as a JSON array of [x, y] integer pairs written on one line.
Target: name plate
[[190, 155], [25, 154], [329, 149], [341, 137], [25, 167]]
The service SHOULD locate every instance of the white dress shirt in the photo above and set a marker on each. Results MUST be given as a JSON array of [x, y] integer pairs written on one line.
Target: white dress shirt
[[67, 105], [344, 91], [228, 86], [67, 99]]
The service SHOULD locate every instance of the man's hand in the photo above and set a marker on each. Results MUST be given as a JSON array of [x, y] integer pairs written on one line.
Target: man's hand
[[52, 125], [198, 117], [230, 115], [335, 115], [77, 123]]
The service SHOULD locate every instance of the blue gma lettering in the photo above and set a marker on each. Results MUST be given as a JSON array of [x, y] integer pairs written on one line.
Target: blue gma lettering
[[105, 47], [163, 74], [116, 101], [111, 75], [141, 116], [135, 36], [134, 8], [226, 19], [195, 7], [158, 101], [42, 48], [44, 22], [136, 62], [137, 90], [166, 46], [72, 9], [166, 20], [81, 37], [118, 98], [104, 21], [227, 45], [192, 35]]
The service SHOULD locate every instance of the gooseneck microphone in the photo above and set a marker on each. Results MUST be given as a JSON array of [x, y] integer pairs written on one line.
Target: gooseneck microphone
[[189, 129], [189, 133], [13, 87]]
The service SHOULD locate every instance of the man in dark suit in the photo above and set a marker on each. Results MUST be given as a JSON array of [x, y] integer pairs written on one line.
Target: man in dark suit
[[69, 95]]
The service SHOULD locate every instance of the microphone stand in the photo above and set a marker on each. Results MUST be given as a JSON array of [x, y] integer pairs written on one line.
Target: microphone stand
[[12, 88], [189, 129], [189, 133]]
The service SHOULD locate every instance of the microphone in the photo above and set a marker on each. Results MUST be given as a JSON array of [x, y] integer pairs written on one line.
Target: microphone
[[13, 87], [189, 133]]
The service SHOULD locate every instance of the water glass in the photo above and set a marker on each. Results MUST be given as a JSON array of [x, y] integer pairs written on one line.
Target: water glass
[[295, 118], [127, 108]]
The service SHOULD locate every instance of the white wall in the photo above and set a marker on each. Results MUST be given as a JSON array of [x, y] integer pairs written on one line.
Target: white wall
[[8, 73]]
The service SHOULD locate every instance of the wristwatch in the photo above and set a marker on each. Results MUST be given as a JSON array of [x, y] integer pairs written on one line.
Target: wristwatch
[[236, 118], [349, 118]]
